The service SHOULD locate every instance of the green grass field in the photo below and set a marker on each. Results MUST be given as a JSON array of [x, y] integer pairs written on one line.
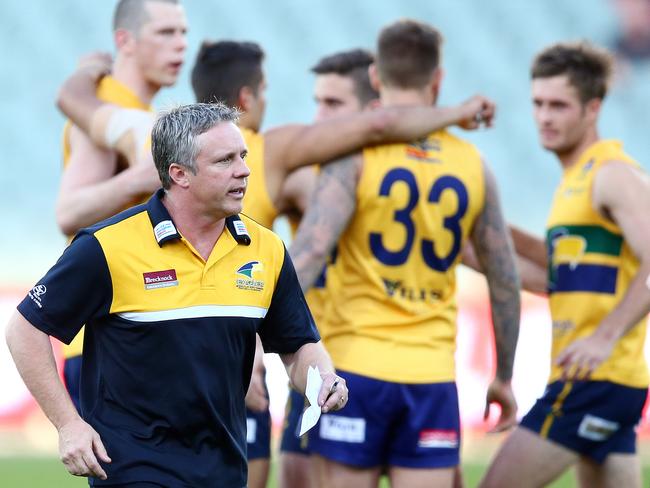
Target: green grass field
[[50, 473]]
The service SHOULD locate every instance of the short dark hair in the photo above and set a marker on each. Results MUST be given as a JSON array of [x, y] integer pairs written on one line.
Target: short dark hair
[[588, 67], [131, 14], [352, 64], [174, 134], [408, 53], [223, 68]]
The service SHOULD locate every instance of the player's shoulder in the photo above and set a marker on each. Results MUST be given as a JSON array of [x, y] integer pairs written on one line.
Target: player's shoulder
[[450, 139]]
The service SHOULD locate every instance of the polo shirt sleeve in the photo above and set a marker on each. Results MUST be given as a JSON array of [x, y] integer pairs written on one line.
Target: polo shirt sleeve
[[75, 290], [288, 323]]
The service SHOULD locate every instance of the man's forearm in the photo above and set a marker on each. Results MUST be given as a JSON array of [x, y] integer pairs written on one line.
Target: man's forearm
[[32, 352], [633, 307], [77, 98], [87, 205], [312, 354]]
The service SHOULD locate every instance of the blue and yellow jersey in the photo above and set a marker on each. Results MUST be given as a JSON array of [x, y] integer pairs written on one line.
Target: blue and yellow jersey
[[112, 91], [170, 339], [590, 269], [392, 310], [257, 203]]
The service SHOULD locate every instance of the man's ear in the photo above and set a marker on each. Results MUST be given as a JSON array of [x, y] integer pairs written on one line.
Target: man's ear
[[180, 175], [375, 82], [436, 81], [124, 41], [592, 109], [245, 98]]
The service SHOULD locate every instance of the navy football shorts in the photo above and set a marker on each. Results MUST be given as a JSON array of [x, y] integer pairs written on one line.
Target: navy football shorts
[[291, 442], [391, 424], [258, 434], [592, 418]]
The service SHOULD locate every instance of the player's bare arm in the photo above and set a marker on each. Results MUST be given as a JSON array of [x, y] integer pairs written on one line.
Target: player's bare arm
[[296, 192], [109, 126], [292, 146], [80, 447], [76, 97], [630, 210], [90, 190], [529, 246], [256, 397], [328, 213], [494, 250], [533, 275]]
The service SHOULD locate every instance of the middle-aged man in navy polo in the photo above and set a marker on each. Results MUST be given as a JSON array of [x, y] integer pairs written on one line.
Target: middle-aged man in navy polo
[[172, 293]]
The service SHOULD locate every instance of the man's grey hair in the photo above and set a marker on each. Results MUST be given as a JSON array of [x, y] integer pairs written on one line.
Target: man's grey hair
[[173, 137], [131, 14]]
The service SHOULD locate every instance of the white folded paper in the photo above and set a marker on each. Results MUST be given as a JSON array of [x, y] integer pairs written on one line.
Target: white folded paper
[[312, 414]]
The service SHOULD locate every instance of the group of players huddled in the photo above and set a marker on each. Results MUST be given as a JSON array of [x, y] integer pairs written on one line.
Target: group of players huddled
[[385, 203]]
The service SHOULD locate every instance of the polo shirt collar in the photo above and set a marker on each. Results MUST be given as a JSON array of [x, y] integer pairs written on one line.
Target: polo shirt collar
[[164, 229]]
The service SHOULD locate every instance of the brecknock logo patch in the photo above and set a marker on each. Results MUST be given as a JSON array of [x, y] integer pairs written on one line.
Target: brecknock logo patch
[[246, 276], [160, 279]]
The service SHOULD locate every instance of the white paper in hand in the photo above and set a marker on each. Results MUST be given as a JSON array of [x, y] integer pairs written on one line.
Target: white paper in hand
[[312, 414]]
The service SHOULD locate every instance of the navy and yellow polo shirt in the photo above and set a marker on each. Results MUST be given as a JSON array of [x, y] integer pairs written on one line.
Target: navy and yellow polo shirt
[[170, 339]]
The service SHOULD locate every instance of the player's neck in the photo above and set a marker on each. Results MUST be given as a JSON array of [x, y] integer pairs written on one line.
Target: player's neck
[[128, 73], [571, 156], [246, 121], [392, 97], [195, 224]]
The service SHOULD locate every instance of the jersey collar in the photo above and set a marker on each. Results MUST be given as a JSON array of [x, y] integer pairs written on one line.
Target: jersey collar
[[164, 229]]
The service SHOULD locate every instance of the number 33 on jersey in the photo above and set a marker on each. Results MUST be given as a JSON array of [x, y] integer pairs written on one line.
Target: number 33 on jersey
[[416, 205]]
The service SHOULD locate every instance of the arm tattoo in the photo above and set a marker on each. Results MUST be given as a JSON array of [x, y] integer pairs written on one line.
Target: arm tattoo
[[494, 250], [330, 209]]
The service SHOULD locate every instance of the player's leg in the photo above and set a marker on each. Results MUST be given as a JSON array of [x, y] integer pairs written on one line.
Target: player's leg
[[425, 444], [258, 472], [348, 447], [258, 442], [592, 419], [618, 470], [527, 460], [421, 478], [296, 469], [332, 474]]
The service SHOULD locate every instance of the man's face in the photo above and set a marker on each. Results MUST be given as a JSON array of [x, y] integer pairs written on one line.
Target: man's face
[[161, 42], [221, 172], [335, 95], [560, 116]]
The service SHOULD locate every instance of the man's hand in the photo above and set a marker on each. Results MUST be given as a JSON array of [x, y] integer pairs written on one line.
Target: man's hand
[[579, 359], [80, 447], [500, 392], [97, 63], [256, 399], [476, 112], [333, 393]]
